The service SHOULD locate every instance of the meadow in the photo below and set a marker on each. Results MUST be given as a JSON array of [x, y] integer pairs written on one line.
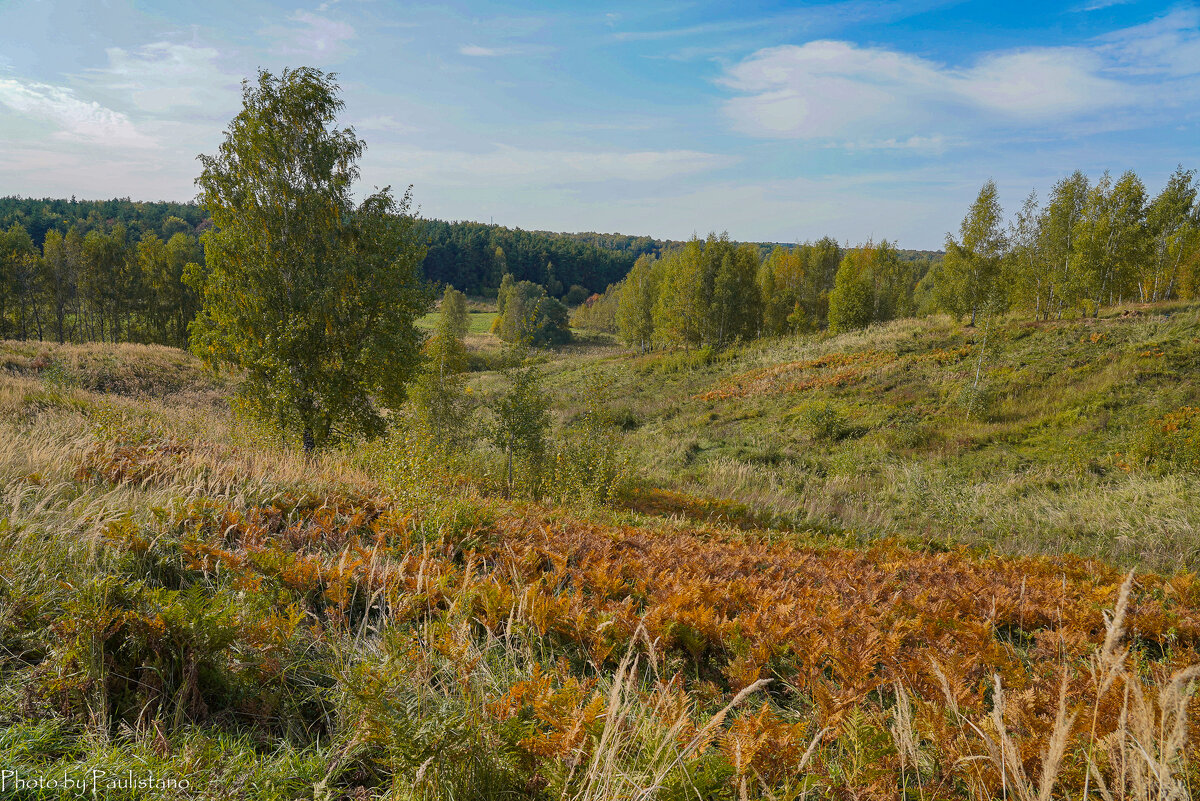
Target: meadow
[[839, 567], [1076, 436], [480, 320]]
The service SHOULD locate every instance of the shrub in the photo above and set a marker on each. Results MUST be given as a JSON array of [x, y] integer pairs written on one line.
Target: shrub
[[826, 422], [576, 295], [1171, 442]]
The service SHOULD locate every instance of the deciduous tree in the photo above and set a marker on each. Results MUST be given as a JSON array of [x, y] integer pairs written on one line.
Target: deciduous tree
[[313, 297]]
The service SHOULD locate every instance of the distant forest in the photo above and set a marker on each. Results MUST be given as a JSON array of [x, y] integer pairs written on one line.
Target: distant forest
[[118, 270], [470, 256]]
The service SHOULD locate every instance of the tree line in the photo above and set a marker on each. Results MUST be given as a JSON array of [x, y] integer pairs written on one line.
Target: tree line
[[102, 285], [713, 292], [475, 257], [111, 270], [1088, 246]]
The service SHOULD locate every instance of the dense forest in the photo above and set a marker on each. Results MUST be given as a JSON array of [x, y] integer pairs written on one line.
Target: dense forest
[[475, 257]]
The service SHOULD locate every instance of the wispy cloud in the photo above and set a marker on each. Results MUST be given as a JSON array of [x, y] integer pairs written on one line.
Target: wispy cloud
[[1098, 5], [834, 90], [1168, 45], [476, 51], [73, 119], [312, 36], [924, 144], [520, 166], [165, 78], [384, 122], [821, 17]]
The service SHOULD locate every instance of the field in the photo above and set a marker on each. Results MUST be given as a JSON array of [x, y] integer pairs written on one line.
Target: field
[[481, 321], [844, 569]]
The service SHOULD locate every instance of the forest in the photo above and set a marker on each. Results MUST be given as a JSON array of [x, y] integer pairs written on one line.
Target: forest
[[117, 270]]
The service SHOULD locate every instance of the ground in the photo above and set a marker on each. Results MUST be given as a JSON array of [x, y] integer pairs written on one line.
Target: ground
[[843, 568]]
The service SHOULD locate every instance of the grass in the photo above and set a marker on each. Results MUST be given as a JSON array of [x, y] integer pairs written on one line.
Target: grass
[[884, 432], [480, 322], [180, 597]]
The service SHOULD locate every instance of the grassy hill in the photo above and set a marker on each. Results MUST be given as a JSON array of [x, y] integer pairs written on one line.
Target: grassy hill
[[830, 581], [1080, 436]]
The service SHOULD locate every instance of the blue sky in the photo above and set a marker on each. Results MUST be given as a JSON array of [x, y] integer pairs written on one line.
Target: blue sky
[[772, 121]]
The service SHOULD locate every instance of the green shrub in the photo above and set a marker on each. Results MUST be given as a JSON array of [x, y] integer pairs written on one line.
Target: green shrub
[[1171, 442], [826, 422]]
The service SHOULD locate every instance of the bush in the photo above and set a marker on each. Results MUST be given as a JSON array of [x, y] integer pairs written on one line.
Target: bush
[[826, 422], [1171, 442], [576, 295]]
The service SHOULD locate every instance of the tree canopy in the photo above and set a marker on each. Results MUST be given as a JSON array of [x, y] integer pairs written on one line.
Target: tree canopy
[[314, 297]]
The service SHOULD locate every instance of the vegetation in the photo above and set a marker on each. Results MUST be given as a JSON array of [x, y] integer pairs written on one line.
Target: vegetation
[[438, 394], [801, 537], [79, 271], [474, 257], [1091, 247], [269, 625], [1033, 437], [303, 291], [529, 315]]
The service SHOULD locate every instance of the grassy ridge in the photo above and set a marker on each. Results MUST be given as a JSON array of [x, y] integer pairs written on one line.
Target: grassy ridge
[[1061, 445]]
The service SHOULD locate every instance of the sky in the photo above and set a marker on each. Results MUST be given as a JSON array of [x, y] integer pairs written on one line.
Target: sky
[[776, 122]]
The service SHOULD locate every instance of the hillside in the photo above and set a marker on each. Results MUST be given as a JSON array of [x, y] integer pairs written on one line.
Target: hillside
[[180, 596], [1079, 437]]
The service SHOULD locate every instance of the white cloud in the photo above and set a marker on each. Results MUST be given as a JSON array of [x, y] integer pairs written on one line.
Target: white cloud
[[383, 122], [830, 89], [1169, 45], [515, 166], [1098, 5], [315, 36], [167, 78], [927, 144], [1044, 83], [476, 51], [76, 120]]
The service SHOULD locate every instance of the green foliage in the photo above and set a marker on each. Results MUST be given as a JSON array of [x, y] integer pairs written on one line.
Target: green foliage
[[1170, 443], [638, 294], [531, 316], [429, 733], [971, 274], [735, 312], [442, 405], [600, 312], [852, 301], [826, 422], [590, 463], [305, 292], [576, 295], [681, 305], [521, 419]]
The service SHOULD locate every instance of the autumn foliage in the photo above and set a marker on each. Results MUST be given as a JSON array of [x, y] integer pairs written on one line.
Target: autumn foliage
[[864, 672]]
